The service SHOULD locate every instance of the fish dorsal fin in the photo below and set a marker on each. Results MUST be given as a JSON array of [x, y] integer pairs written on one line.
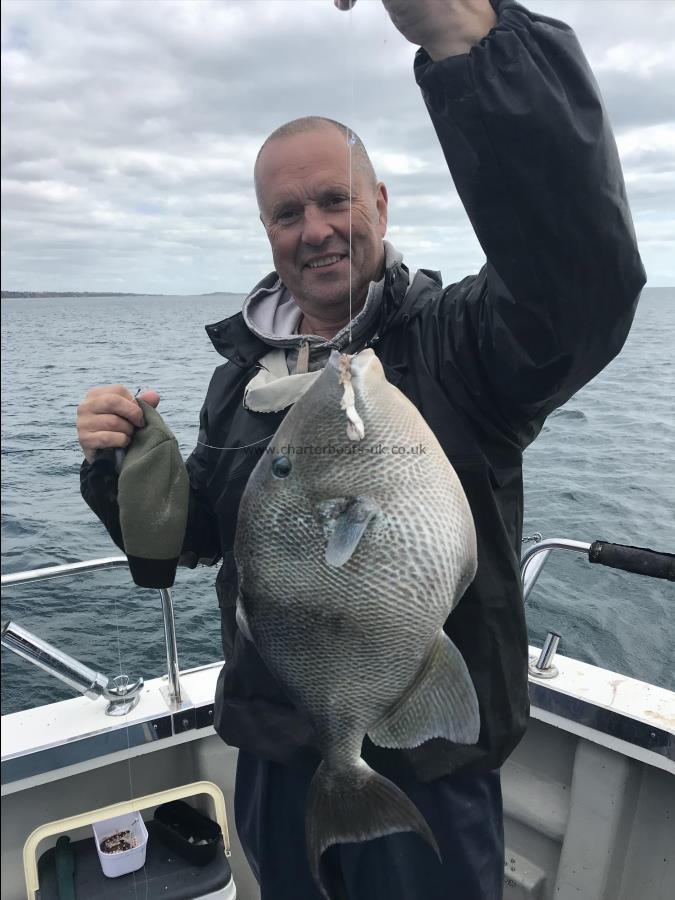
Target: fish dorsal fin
[[441, 702], [347, 519]]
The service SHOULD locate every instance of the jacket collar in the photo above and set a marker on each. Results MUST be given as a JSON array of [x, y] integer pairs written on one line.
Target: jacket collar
[[401, 301]]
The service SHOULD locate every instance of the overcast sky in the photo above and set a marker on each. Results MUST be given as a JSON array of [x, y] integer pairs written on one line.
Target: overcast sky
[[129, 130]]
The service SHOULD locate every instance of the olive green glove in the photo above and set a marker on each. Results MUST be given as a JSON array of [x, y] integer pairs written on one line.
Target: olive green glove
[[153, 495]]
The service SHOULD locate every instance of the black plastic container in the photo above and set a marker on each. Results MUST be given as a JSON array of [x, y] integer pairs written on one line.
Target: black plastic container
[[182, 828]]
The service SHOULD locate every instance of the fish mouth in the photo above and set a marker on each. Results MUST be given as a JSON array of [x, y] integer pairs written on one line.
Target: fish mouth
[[363, 361], [359, 363]]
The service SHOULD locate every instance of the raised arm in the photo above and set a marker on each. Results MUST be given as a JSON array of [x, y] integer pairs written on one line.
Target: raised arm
[[530, 149], [529, 146]]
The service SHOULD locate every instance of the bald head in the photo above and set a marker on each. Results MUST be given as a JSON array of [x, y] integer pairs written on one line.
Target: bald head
[[359, 156]]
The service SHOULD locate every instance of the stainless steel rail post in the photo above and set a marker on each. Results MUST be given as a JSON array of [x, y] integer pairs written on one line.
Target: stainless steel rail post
[[533, 559], [172, 672], [88, 565]]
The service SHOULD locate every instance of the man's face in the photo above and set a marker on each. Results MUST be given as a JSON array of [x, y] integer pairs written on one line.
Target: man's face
[[304, 195]]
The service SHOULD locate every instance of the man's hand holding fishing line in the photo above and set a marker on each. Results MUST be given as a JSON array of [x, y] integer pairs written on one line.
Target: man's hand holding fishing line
[[443, 27], [108, 417]]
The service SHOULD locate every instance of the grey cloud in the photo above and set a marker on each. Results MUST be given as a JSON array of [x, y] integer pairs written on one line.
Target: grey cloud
[[632, 100], [130, 131]]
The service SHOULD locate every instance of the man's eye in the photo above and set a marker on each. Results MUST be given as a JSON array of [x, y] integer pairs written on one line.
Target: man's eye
[[338, 200], [287, 215]]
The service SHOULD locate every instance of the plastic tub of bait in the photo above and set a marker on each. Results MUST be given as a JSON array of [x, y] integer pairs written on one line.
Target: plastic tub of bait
[[121, 843]]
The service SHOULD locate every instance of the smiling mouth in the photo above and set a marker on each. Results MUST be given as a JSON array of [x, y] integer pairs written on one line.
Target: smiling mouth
[[326, 261]]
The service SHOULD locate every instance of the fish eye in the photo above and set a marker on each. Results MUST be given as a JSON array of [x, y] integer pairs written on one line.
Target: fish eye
[[281, 466]]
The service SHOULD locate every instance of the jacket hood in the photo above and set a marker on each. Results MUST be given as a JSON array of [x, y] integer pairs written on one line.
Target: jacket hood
[[270, 314]]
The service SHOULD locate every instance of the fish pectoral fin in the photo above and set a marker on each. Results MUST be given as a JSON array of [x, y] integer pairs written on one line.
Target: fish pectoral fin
[[242, 621], [351, 521], [441, 702]]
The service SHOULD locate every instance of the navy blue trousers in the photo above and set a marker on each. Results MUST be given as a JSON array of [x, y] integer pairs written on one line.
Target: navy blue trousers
[[464, 812]]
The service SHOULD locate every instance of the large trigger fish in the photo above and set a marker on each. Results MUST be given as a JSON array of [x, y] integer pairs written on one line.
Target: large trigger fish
[[354, 543]]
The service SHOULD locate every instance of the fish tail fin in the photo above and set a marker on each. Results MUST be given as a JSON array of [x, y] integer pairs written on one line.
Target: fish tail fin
[[356, 804]]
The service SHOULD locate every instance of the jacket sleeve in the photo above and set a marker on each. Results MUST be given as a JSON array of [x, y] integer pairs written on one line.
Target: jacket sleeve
[[530, 149], [98, 484]]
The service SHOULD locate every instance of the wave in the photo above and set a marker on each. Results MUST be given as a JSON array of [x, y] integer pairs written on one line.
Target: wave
[[570, 414], [15, 528]]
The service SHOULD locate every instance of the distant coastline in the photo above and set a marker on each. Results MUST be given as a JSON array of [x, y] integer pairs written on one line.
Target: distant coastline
[[19, 294], [15, 294]]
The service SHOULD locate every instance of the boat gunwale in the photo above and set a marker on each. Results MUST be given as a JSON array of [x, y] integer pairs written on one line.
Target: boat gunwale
[[575, 700]]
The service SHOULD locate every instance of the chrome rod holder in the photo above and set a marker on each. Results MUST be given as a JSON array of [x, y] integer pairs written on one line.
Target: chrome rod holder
[[543, 667], [121, 693], [174, 695]]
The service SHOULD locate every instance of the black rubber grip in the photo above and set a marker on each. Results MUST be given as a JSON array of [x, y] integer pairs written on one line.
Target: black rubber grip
[[640, 560]]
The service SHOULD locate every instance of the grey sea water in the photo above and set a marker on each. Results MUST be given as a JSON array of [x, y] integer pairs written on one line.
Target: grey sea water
[[603, 467]]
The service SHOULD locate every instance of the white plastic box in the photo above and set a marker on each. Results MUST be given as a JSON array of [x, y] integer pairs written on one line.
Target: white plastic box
[[124, 861]]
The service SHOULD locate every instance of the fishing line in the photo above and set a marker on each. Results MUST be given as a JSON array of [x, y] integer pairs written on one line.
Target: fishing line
[[74, 446], [243, 446], [125, 678], [36, 449], [350, 143], [126, 724]]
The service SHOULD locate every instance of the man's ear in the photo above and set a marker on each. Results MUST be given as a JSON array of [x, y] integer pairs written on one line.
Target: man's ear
[[382, 201]]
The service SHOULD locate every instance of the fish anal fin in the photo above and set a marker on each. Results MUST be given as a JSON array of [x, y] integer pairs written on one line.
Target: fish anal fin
[[441, 702]]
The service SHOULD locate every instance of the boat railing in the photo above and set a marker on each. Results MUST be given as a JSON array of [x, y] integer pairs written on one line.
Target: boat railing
[[121, 692], [639, 560]]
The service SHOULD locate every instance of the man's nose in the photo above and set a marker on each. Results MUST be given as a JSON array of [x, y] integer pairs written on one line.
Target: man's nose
[[316, 227]]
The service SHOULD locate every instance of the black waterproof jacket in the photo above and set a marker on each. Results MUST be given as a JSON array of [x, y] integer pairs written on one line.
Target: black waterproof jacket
[[485, 360]]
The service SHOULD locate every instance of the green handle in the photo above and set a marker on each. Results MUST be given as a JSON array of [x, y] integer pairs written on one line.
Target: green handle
[[65, 869]]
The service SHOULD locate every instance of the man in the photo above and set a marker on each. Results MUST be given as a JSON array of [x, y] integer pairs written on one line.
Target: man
[[527, 141]]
